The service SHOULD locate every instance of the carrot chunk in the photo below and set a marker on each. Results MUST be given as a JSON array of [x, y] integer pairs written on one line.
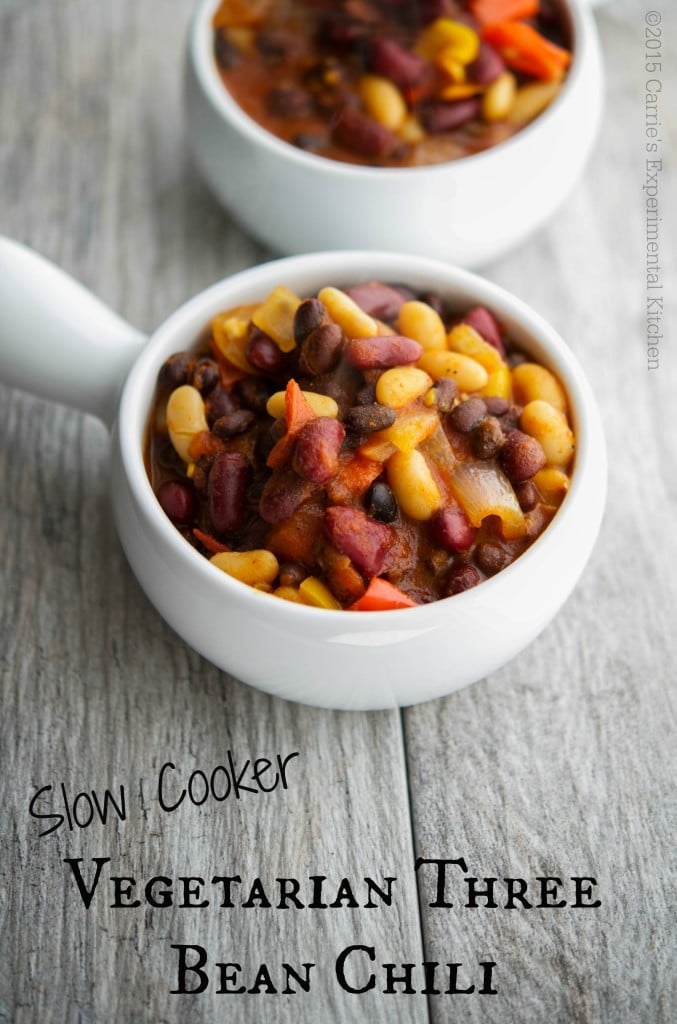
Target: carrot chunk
[[526, 50], [381, 596]]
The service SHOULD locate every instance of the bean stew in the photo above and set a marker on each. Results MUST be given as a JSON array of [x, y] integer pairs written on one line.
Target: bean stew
[[392, 83], [365, 448]]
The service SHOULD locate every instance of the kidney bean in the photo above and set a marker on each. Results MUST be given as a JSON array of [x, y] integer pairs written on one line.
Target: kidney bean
[[365, 419], [288, 101], [263, 353], [282, 495], [434, 300], [386, 57], [526, 494], [460, 578], [321, 349], [178, 501], [521, 456], [307, 319], [378, 300], [382, 503], [496, 406], [451, 529], [380, 353], [177, 370], [486, 67], [487, 438], [491, 557], [226, 491], [205, 375], [362, 134], [360, 537], [467, 415], [254, 393], [484, 322], [317, 448], [439, 116], [234, 423]]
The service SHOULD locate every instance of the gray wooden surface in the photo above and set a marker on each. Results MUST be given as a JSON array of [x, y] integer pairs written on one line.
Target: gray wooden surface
[[560, 764]]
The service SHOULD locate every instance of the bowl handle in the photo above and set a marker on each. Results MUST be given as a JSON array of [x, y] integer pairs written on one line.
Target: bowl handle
[[57, 340]]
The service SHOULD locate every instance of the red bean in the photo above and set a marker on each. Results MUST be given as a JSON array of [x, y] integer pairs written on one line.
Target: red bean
[[317, 448], [226, 490], [452, 530], [178, 501], [379, 353], [263, 353], [359, 537], [321, 350], [284, 491], [484, 322], [521, 456], [379, 300], [362, 134], [486, 67], [438, 116], [386, 57]]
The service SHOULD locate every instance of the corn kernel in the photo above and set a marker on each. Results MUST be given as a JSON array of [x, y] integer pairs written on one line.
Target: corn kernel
[[352, 320], [275, 317], [322, 405], [412, 482], [250, 567], [401, 385], [315, 593], [467, 372], [424, 324], [445, 34], [383, 101]]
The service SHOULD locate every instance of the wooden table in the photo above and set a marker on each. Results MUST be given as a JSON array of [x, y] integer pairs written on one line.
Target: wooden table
[[558, 765]]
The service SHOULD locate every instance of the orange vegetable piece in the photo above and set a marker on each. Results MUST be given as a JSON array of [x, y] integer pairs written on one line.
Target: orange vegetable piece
[[488, 12], [211, 543], [381, 596], [228, 374], [526, 50], [205, 443], [355, 476], [298, 412]]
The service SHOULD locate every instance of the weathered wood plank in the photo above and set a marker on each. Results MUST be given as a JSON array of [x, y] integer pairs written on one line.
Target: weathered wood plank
[[560, 763], [97, 691]]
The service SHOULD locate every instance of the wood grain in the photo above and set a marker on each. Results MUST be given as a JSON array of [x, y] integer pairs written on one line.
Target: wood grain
[[560, 764]]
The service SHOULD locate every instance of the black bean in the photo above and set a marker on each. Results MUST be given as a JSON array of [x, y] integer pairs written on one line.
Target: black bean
[[291, 574], [446, 391], [526, 494], [177, 370], [521, 456], [219, 403], [234, 423], [205, 375], [309, 141], [288, 101], [491, 557], [225, 53], [496, 406], [467, 415], [254, 393], [487, 438], [366, 395], [382, 503], [434, 300], [365, 419], [307, 319], [461, 577]]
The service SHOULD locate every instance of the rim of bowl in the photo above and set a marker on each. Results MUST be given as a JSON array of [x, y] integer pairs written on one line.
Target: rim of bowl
[[192, 316], [202, 57]]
